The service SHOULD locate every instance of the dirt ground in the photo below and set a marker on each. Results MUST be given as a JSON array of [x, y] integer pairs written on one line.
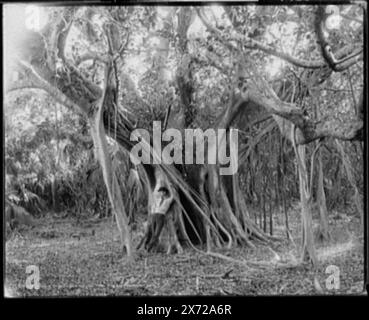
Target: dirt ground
[[83, 258]]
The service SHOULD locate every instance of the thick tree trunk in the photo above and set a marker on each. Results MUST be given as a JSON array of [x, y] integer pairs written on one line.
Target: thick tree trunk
[[350, 176], [111, 183], [308, 248], [322, 205], [281, 173], [221, 217], [95, 117]]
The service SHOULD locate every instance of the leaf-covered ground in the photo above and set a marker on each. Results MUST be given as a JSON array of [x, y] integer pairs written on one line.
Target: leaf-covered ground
[[84, 258]]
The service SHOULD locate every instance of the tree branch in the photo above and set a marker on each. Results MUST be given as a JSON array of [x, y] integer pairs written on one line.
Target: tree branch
[[250, 43], [308, 130], [91, 55], [328, 55], [31, 80]]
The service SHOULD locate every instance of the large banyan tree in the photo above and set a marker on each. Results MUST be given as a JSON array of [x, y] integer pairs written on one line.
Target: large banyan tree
[[79, 57]]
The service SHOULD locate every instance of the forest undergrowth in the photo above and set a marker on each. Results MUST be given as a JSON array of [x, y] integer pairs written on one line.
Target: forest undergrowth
[[83, 257]]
